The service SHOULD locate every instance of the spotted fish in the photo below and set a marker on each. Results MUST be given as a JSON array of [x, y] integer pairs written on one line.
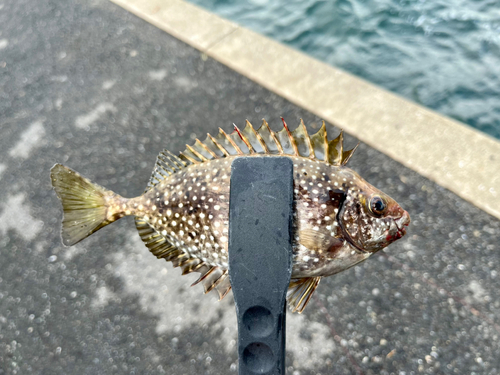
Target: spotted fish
[[339, 219]]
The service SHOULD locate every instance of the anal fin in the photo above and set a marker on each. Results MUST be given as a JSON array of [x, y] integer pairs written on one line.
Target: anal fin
[[300, 292]]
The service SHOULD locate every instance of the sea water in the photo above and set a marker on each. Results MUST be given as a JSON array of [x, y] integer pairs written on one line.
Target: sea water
[[443, 54]]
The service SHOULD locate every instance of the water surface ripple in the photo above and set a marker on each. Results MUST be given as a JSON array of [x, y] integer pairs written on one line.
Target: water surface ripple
[[444, 55]]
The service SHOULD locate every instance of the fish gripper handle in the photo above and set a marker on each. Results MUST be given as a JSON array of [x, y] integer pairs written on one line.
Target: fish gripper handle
[[260, 259]]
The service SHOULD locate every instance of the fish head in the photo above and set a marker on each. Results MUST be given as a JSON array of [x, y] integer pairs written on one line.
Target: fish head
[[369, 218]]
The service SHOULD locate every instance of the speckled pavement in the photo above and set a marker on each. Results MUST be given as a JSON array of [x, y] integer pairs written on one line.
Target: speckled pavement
[[89, 85]]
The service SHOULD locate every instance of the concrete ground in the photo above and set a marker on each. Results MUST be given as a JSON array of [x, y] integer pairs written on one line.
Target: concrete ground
[[87, 84]]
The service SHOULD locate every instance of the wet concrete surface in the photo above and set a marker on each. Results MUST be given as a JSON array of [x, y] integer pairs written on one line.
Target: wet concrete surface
[[91, 86]]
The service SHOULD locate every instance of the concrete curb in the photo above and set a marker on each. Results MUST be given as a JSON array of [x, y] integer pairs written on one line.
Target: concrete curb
[[457, 157]]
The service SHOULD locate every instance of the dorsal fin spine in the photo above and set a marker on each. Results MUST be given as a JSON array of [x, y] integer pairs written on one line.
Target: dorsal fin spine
[[325, 141], [233, 143], [308, 140], [218, 145], [257, 136], [185, 155], [245, 140], [292, 140], [302, 140], [346, 155], [273, 135], [196, 153], [336, 148], [206, 148], [320, 144], [261, 141]]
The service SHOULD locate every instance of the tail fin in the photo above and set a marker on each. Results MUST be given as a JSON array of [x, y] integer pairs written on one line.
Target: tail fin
[[85, 204]]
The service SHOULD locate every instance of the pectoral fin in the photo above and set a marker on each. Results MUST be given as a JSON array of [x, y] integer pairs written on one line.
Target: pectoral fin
[[319, 241], [314, 240]]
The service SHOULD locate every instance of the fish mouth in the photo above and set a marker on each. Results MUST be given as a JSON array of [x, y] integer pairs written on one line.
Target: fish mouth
[[401, 224]]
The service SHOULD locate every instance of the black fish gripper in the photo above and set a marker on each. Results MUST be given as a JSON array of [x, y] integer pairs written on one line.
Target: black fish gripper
[[260, 259]]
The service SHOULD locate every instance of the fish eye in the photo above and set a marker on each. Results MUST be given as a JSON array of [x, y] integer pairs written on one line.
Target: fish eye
[[377, 205]]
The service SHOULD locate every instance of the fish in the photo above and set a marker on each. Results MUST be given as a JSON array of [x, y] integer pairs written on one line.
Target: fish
[[339, 219]]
